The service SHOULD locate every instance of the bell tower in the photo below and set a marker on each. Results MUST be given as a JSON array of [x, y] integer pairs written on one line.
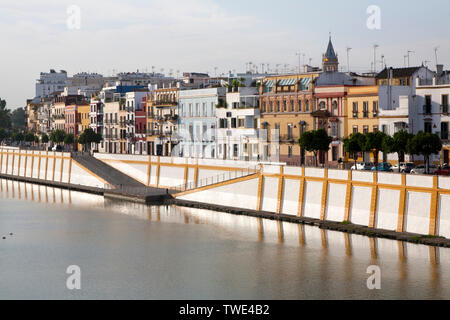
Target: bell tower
[[330, 61]]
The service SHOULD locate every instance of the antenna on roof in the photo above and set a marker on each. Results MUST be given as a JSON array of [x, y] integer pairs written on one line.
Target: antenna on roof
[[435, 54], [348, 58]]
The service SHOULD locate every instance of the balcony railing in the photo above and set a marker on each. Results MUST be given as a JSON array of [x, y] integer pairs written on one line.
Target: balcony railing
[[355, 114], [366, 114], [444, 109], [427, 109], [162, 103]]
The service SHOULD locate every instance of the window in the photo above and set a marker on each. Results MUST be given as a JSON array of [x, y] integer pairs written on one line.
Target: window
[[307, 105], [444, 106], [235, 150], [264, 107], [289, 129], [299, 105], [366, 129], [233, 122], [444, 130], [292, 106], [375, 108], [290, 152], [335, 153], [375, 129], [355, 109], [334, 129], [278, 106], [284, 106], [428, 127], [365, 109], [271, 106], [335, 107], [322, 105], [355, 129], [384, 129]]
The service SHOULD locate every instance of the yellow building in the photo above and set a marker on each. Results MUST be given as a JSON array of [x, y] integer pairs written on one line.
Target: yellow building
[[83, 120], [83, 111], [362, 110], [286, 103]]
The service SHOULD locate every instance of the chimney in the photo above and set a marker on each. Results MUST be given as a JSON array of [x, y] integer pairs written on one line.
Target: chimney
[[439, 69]]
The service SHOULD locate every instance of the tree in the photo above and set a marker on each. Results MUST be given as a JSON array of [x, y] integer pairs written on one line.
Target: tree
[[58, 136], [3, 134], [69, 139], [29, 137], [5, 115], [425, 144], [315, 141], [18, 119], [88, 137], [374, 143], [18, 137], [45, 138], [354, 145], [398, 144]]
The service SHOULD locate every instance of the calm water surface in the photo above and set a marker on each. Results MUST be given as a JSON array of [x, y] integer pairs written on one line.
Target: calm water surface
[[131, 251]]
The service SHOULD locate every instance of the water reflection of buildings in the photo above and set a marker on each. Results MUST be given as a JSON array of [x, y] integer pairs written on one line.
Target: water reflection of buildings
[[329, 246]]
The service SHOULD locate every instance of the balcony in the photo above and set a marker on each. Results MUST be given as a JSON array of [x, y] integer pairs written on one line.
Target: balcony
[[427, 110], [355, 114], [162, 104], [366, 114], [444, 110], [153, 132], [286, 138]]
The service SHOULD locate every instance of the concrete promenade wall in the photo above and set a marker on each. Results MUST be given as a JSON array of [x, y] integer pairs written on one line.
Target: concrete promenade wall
[[390, 201], [167, 172], [47, 166]]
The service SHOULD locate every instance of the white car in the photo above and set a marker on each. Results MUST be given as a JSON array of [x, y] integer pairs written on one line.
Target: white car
[[421, 169], [362, 166], [405, 167]]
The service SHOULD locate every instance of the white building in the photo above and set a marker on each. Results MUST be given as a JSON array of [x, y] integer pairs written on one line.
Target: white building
[[51, 82], [133, 106], [237, 125], [434, 99]]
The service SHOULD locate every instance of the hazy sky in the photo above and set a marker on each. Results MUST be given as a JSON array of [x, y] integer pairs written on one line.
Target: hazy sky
[[198, 35]]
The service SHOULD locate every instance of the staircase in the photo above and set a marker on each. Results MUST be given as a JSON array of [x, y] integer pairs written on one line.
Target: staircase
[[106, 172]]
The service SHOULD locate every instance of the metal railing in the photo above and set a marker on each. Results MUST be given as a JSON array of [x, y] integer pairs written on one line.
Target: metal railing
[[427, 109], [231, 175]]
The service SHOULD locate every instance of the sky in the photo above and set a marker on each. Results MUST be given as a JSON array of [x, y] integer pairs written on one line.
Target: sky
[[201, 35]]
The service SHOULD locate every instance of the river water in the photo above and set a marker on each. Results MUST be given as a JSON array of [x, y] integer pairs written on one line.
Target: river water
[[131, 251]]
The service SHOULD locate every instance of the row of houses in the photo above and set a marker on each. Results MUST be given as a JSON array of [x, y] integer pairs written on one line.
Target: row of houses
[[249, 116]]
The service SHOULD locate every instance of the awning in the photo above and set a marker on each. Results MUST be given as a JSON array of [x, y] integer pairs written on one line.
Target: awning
[[287, 82], [269, 83]]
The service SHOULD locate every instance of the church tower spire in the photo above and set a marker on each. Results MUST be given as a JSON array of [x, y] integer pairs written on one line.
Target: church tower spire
[[330, 61]]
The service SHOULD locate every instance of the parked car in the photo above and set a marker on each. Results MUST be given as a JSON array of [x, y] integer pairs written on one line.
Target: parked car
[[421, 169], [444, 170], [362, 166], [405, 167], [57, 148], [386, 167]]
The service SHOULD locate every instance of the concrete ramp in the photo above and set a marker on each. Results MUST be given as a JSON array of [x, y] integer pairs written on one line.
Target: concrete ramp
[[106, 172]]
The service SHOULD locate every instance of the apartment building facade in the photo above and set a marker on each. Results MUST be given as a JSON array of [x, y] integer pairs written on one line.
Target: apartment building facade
[[197, 121]]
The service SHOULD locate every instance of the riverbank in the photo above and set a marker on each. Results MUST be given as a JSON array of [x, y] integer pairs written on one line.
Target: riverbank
[[326, 225], [162, 197]]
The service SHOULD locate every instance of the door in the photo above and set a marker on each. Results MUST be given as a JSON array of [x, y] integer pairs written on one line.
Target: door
[[446, 156]]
